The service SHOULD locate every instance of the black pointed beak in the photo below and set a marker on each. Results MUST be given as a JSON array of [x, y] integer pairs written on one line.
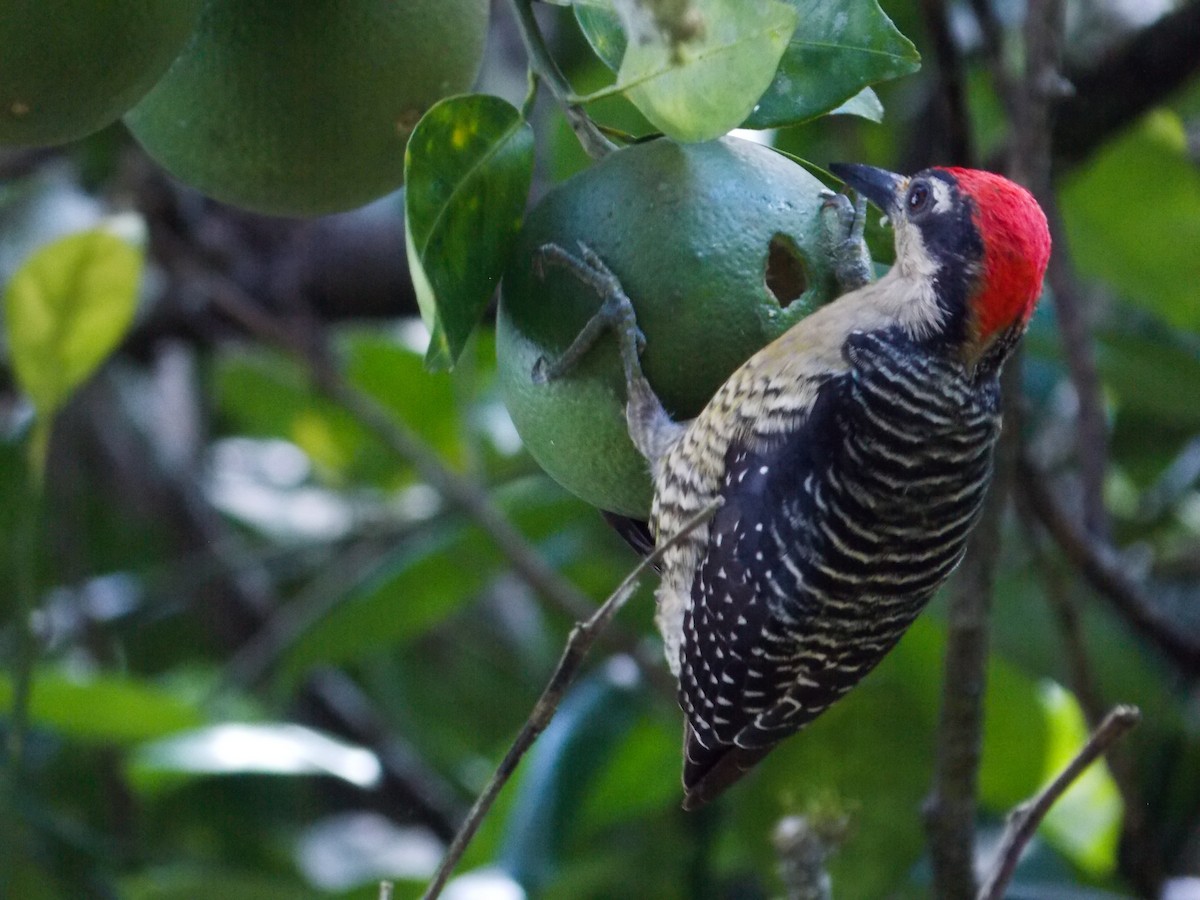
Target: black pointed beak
[[881, 187]]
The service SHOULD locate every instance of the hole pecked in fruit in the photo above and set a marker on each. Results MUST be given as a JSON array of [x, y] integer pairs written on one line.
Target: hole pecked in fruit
[[785, 275]]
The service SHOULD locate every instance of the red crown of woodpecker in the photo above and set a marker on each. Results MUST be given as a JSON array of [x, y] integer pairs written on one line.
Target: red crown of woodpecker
[[1016, 249]]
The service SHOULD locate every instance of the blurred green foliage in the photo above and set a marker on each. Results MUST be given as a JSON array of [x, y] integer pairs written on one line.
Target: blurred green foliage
[[167, 598]]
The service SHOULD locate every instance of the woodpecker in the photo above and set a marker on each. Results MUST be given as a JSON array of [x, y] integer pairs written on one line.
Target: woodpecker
[[850, 458]]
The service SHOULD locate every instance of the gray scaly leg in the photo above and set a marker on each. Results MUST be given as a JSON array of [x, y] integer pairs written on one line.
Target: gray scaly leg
[[844, 222], [650, 427]]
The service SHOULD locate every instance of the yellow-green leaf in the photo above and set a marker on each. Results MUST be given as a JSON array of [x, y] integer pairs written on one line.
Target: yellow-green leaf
[[67, 307], [700, 89]]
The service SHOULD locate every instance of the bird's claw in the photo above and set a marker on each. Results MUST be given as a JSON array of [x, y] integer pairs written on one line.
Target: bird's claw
[[844, 222], [616, 311]]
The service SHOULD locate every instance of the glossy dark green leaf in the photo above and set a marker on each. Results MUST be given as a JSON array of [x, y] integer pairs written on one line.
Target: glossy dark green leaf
[[703, 88], [1133, 219], [261, 748], [603, 31], [103, 708], [838, 49], [467, 172]]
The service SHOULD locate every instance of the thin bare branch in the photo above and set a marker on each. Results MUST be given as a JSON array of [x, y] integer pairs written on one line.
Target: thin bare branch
[[1023, 822], [951, 84], [583, 635]]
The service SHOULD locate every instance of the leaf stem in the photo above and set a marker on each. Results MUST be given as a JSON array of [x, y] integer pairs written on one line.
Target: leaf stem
[[542, 64]]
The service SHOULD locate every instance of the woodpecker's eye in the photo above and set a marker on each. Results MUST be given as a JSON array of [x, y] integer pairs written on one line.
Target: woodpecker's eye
[[918, 198]]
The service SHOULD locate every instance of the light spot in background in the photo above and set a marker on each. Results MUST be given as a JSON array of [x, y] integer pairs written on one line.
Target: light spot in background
[[354, 849], [286, 749], [262, 483]]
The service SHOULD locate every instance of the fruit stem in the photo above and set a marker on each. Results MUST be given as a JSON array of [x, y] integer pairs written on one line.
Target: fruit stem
[[542, 64]]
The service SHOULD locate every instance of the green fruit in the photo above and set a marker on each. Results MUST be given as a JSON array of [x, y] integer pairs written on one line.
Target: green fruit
[[303, 107], [70, 67], [720, 248]]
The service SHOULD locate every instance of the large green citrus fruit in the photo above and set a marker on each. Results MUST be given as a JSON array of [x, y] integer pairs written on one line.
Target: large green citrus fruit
[[303, 107], [719, 247], [70, 67]]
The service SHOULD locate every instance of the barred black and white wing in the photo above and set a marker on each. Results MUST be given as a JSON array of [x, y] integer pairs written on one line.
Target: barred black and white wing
[[831, 539]]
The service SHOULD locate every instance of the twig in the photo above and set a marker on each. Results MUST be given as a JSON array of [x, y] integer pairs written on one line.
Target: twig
[[583, 635], [1101, 566], [1025, 819], [950, 809], [594, 143], [1136, 837]]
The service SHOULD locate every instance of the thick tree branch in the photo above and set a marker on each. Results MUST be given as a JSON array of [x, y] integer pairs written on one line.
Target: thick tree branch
[[1031, 106], [951, 807], [1141, 73]]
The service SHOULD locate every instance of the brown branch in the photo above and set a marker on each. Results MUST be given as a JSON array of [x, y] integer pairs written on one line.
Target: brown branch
[[1136, 76], [1031, 107], [1101, 566], [951, 85], [950, 808], [1023, 822], [583, 635]]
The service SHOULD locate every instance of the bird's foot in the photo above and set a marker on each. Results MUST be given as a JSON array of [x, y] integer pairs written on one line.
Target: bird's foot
[[616, 313], [650, 427], [844, 222]]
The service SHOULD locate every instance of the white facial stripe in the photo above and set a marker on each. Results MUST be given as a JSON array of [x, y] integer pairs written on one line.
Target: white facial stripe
[[941, 195]]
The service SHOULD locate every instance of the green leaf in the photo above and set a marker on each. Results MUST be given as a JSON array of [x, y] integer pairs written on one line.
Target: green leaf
[[1133, 219], [107, 708], [838, 49], [67, 307], [603, 31], [1144, 372], [699, 90], [467, 172], [1085, 824]]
